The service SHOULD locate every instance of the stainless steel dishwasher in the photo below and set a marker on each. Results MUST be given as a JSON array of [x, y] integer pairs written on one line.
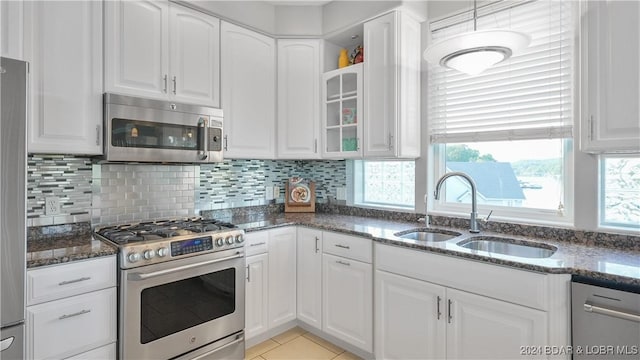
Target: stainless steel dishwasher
[[605, 320]]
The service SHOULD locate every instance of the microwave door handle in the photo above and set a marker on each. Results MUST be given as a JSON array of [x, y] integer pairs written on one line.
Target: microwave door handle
[[203, 135]]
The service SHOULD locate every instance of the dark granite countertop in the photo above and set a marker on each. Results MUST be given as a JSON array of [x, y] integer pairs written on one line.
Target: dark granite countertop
[[57, 250], [603, 263]]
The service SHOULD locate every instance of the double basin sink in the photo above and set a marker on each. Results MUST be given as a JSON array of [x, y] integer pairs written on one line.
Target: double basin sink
[[489, 244]]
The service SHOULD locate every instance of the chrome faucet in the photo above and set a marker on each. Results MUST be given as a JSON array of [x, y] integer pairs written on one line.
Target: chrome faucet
[[473, 223]]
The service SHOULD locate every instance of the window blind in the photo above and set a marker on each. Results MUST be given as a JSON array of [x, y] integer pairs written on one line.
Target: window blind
[[528, 96]]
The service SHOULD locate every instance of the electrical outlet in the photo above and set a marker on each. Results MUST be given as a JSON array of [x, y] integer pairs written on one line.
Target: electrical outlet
[[268, 193], [276, 191], [52, 206], [341, 193]]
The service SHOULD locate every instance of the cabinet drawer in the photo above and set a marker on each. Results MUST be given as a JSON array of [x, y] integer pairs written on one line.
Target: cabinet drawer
[[351, 247], [508, 284], [56, 282], [107, 352], [256, 242], [70, 326]]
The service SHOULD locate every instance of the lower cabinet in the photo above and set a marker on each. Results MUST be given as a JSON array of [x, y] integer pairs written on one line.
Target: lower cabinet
[[72, 310], [420, 316], [256, 295], [309, 281], [347, 311]]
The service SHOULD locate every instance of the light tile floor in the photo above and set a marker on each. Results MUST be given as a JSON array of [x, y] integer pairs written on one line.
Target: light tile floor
[[297, 344]]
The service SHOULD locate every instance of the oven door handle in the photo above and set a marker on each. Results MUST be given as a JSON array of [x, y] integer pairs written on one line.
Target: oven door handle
[[206, 355], [143, 276]]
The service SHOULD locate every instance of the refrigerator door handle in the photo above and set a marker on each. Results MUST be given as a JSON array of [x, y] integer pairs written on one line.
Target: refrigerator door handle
[[6, 343]]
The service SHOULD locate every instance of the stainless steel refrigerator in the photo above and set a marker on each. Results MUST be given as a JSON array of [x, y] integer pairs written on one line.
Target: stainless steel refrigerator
[[13, 152]]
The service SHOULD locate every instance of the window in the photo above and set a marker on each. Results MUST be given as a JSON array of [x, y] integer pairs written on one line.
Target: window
[[510, 127], [388, 184], [620, 192]]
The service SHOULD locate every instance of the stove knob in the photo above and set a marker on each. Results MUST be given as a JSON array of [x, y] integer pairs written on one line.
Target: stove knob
[[239, 238], [162, 252], [148, 254], [219, 242], [230, 239], [133, 257]]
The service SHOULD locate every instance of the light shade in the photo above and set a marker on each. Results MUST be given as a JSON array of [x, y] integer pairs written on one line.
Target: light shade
[[475, 51]]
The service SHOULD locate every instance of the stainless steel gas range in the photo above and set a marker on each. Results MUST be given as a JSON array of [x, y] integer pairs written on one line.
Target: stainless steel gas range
[[181, 289]]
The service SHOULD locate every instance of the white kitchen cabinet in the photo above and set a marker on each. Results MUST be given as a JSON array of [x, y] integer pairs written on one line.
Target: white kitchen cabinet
[[248, 93], [342, 115], [160, 50], [256, 308], [473, 310], [298, 98], [392, 86], [409, 316], [347, 300], [63, 44], [309, 277], [12, 29], [610, 65], [479, 327], [71, 312], [282, 276]]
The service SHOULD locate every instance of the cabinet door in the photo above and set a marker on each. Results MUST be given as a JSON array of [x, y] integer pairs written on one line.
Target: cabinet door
[[63, 43], [483, 328], [195, 56], [410, 318], [610, 73], [347, 303], [309, 276], [256, 295], [136, 40], [282, 276], [12, 29], [248, 93], [392, 86], [69, 326], [298, 99]]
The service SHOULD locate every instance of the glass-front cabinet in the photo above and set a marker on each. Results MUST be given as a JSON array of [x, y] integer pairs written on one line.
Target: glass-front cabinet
[[342, 112]]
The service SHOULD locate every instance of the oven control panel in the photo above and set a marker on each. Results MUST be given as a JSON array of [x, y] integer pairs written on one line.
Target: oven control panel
[[191, 246]]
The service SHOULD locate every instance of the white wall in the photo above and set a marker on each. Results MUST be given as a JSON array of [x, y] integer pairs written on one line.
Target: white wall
[[258, 15], [298, 21]]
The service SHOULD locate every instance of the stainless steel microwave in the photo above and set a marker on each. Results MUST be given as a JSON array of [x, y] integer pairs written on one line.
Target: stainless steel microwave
[[145, 130]]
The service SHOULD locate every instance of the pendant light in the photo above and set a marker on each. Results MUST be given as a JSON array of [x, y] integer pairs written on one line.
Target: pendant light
[[475, 51]]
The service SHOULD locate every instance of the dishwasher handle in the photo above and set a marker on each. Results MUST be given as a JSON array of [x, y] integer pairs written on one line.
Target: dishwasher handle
[[611, 312]]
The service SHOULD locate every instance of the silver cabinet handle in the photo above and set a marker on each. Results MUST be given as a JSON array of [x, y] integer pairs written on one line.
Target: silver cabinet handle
[[315, 146], [248, 273], [226, 142], [143, 276], [357, 144], [6, 343], [81, 312], [343, 263], [174, 85], [591, 127], [258, 244], [449, 316], [164, 78], [317, 249], [438, 308], [342, 246], [74, 281], [98, 134], [390, 141], [610, 312]]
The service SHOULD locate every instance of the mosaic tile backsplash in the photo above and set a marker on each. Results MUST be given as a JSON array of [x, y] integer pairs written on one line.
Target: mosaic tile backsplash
[[239, 183], [118, 193], [66, 177]]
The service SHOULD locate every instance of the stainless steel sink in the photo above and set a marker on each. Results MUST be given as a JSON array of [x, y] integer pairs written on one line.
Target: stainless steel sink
[[507, 246], [426, 234]]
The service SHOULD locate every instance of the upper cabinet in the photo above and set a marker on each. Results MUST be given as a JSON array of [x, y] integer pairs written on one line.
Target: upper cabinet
[[298, 98], [392, 86], [163, 51], [342, 112], [610, 72], [248, 65], [63, 44]]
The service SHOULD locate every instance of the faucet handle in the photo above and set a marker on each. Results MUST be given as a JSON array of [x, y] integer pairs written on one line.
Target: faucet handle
[[486, 219]]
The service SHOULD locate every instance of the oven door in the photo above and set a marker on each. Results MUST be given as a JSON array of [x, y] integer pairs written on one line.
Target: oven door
[[171, 308]]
